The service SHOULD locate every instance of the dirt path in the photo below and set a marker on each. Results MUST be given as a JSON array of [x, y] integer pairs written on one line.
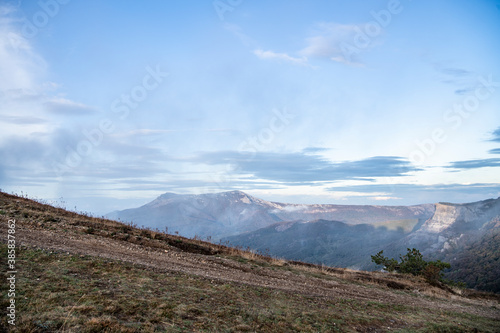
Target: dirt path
[[223, 269]]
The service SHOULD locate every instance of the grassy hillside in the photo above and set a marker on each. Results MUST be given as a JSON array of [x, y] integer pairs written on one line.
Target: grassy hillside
[[83, 274]]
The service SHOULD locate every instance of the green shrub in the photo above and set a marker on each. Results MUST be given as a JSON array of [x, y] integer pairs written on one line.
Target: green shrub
[[413, 263]]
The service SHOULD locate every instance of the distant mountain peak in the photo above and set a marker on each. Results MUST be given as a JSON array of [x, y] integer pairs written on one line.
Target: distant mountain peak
[[235, 196], [235, 193], [168, 195]]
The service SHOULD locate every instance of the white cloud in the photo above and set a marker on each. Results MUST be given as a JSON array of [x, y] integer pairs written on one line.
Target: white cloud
[[280, 56], [20, 66], [332, 41], [24, 92], [20, 69], [143, 132], [148, 132], [63, 106], [338, 42], [383, 198], [22, 120], [343, 195], [31, 138]]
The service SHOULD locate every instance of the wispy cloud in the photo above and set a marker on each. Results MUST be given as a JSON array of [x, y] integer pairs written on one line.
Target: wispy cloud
[[391, 188], [22, 120], [476, 164], [63, 106], [25, 94], [18, 61], [333, 41], [314, 150], [456, 72], [465, 80], [23, 158], [496, 135], [143, 132], [464, 91], [152, 132], [421, 193], [481, 163], [302, 167], [270, 55]]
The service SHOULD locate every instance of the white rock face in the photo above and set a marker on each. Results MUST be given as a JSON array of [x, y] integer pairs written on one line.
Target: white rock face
[[444, 217], [245, 199], [473, 215]]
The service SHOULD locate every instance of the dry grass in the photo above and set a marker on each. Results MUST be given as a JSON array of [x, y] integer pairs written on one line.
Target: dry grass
[[67, 292]]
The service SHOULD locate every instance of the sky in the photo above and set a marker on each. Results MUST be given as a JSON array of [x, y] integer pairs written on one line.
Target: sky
[[105, 105]]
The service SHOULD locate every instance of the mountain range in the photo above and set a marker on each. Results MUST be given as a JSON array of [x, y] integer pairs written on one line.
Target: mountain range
[[231, 213], [466, 235]]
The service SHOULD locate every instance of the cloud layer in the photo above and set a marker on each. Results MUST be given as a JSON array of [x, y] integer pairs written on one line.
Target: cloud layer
[[302, 167]]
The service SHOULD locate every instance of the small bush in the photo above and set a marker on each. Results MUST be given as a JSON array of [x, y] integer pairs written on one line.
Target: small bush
[[413, 263], [432, 274]]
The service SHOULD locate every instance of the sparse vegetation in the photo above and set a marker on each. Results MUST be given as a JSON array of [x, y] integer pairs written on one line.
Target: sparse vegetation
[[413, 263], [63, 288], [75, 293]]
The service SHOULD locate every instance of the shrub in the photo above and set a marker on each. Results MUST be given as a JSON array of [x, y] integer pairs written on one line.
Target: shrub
[[390, 265], [413, 263], [432, 274]]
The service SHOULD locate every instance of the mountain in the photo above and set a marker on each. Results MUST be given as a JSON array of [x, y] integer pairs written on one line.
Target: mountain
[[331, 243], [206, 215], [454, 225], [230, 213], [466, 235]]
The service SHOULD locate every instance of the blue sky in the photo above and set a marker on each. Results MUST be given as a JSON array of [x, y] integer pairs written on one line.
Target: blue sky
[[107, 104]]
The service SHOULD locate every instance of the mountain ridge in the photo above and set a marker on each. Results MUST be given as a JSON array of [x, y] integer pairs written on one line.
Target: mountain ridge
[[226, 213]]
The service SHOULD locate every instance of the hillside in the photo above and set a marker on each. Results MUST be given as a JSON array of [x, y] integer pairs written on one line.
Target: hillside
[[484, 252], [83, 274], [322, 242]]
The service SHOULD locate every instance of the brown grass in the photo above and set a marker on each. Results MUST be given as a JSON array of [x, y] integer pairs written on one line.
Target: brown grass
[[69, 292]]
